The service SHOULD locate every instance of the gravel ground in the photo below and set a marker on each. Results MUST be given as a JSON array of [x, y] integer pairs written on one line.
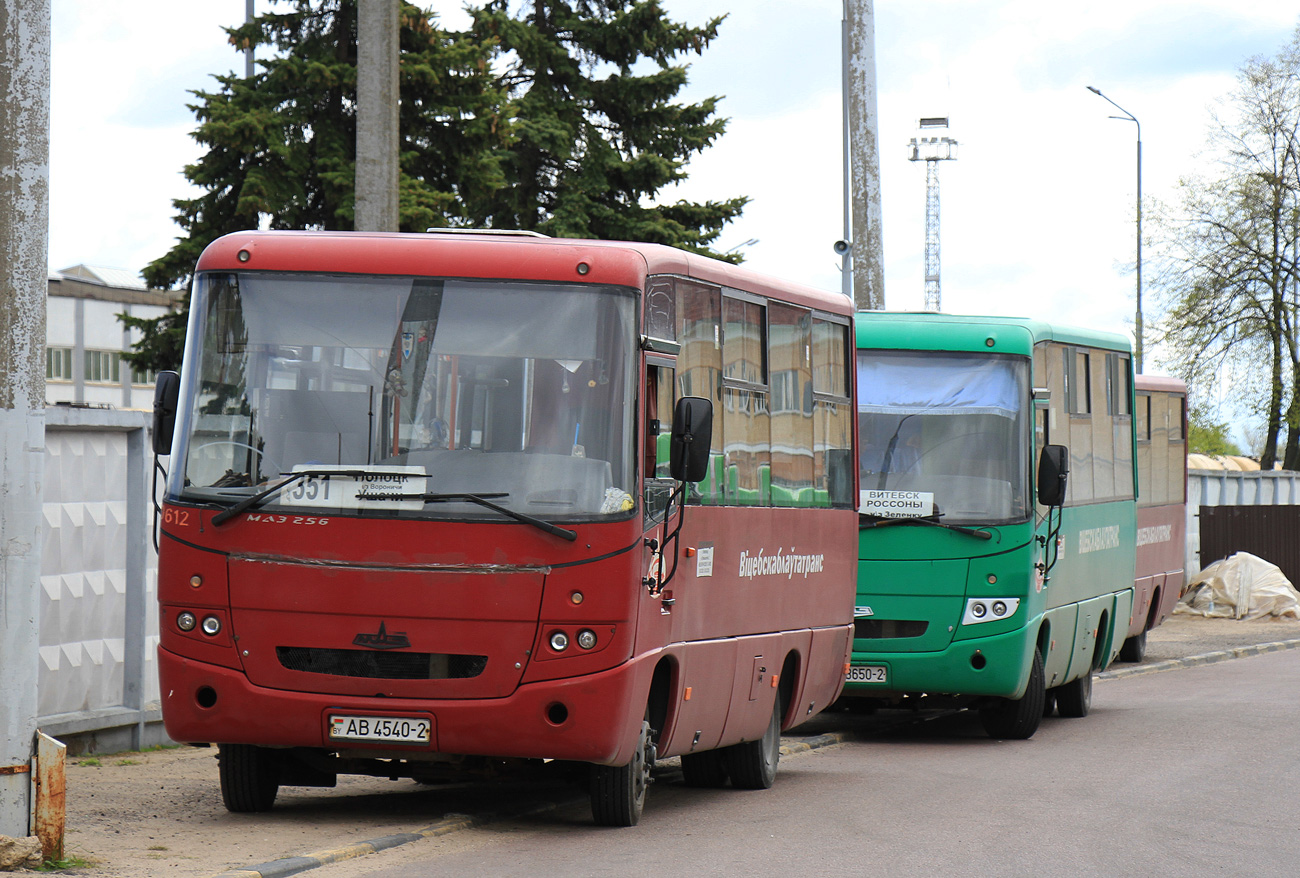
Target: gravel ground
[[1183, 636], [159, 813]]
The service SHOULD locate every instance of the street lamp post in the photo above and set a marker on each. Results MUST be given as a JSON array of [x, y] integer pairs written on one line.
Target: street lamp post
[[1137, 322]]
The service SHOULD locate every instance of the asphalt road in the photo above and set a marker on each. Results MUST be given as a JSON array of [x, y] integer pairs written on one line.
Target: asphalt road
[[145, 815], [1188, 773]]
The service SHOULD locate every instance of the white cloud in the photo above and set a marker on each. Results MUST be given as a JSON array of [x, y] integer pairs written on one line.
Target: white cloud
[[1037, 212]]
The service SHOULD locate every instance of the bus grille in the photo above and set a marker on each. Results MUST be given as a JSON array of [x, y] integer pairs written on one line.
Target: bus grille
[[886, 629], [381, 665]]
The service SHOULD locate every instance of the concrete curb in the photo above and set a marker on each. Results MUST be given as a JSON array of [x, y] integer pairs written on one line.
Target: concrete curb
[[447, 825], [1208, 658], [789, 747]]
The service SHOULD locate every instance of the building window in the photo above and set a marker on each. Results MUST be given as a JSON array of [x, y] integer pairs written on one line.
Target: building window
[[103, 367], [144, 376], [58, 364]]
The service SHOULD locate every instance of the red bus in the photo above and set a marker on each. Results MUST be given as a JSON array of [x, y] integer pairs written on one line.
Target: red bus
[[1161, 425], [436, 499]]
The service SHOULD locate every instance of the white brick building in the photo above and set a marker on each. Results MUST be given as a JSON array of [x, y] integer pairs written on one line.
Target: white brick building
[[84, 339]]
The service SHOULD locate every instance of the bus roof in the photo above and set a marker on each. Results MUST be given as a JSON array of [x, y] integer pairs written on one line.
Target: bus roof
[[488, 254], [1160, 383], [926, 330]]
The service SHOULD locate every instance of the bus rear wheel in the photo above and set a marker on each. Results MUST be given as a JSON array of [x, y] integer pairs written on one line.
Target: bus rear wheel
[[250, 777], [1017, 719], [618, 791], [752, 764], [1074, 699]]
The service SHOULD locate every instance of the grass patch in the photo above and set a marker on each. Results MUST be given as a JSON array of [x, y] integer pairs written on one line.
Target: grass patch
[[65, 862], [90, 762]]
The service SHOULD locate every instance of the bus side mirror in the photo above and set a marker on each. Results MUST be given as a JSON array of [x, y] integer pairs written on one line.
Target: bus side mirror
[[166, 394], [688, 448], [1053, 467]]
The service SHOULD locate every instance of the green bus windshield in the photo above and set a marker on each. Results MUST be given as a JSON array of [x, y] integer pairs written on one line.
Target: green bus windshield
[[944, 434]]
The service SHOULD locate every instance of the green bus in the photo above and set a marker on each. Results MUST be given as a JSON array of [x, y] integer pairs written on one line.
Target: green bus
[[997, 519]]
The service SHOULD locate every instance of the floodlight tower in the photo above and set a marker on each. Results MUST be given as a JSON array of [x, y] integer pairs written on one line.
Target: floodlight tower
[[932, 150]]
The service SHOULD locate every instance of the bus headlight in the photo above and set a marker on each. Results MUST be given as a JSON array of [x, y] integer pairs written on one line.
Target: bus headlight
[[559, 641], [989, 610], [211, 625], [186, 621], [586, 638]]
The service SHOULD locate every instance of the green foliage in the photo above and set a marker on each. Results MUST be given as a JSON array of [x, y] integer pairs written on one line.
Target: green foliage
[[1205, 436], [596, 134], [558, 118], [1228, 270]]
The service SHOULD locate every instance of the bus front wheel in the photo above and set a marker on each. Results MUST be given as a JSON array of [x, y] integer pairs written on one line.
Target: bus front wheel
[[250, 777], [1134, 648], [1018, 718], [618, 791]]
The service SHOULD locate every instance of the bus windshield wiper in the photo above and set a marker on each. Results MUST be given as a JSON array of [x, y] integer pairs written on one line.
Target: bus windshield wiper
[[933, 520], [481, 500], [249, 502]]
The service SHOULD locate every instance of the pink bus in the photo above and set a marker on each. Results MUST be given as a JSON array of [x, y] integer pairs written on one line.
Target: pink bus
[[1161, 424]]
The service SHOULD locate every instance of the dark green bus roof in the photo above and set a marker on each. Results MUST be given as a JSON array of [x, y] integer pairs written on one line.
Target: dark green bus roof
[[928, 331]]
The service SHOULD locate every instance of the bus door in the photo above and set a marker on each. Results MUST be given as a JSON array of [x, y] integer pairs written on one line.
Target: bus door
[[659, 483]]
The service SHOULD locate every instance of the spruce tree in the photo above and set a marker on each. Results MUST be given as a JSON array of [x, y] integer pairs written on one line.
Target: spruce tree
[[282, 143], [559, 119], [596, 134]]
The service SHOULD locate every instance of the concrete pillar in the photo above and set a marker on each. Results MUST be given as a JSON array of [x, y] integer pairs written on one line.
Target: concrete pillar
[[864, 136], [24, 242], [377, 101]]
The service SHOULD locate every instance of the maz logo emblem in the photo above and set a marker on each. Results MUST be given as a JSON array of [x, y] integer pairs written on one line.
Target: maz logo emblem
[[382, 640]]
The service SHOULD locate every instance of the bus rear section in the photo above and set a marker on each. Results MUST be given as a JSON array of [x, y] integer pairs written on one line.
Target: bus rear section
[[1160, 420], [996, 515], [440, 503]]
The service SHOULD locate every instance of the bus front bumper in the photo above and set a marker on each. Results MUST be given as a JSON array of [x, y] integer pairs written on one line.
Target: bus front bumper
[[995, 665], [588, 719]]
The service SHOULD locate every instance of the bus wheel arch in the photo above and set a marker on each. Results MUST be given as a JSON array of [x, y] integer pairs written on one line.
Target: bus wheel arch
[[1018, 718]]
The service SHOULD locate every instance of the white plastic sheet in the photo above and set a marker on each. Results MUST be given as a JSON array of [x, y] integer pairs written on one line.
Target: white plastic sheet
[[1241, 586]]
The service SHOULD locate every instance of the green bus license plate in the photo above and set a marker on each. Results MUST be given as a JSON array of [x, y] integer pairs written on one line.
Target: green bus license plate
[[867, 674], [390, 729]]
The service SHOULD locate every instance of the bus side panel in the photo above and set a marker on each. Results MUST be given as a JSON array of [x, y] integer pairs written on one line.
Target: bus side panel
[[829, 648], [1096, 554], [1062, 623], [706, 673], [760, 570], [1161, 535]]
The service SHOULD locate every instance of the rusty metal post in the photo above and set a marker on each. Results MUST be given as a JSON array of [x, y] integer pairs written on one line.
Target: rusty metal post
[[50, 794]]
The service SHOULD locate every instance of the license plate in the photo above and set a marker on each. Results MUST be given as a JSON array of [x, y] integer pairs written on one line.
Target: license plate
[[389, 729], [867, 674]]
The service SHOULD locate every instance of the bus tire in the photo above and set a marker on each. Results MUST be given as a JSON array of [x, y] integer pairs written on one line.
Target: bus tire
[[706, 770], [250, 777], [1135, 648], [1017, 719], [752, 764], [618, 791], [1075, 698], [1049, 702]]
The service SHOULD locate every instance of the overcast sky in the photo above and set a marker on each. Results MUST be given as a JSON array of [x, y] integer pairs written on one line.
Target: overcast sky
[[1037, 211]]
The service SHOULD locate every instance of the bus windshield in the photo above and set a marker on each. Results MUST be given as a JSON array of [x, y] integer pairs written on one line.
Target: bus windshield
[[943, 434], [399, 396]]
